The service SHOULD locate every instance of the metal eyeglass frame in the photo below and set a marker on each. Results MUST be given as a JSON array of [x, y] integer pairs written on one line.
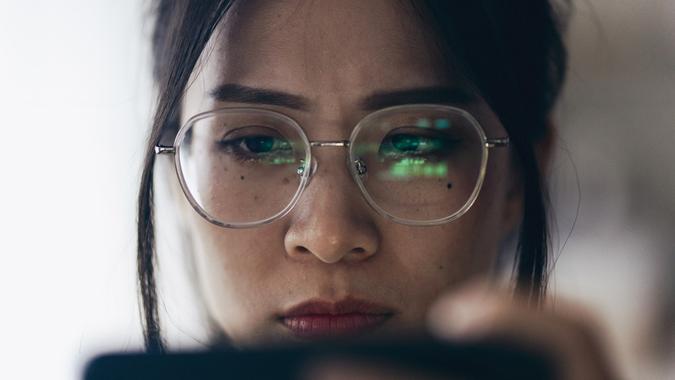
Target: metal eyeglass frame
[[355, 169]]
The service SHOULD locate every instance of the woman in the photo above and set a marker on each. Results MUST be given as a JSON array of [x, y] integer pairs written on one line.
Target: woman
[[344, 164]]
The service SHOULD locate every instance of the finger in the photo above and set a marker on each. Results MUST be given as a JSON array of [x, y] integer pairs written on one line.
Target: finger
[[463, 311], [479, 311]]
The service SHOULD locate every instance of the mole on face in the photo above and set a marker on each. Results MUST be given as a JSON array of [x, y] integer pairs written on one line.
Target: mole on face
[[285, 181], [241, 178], [449, 186]]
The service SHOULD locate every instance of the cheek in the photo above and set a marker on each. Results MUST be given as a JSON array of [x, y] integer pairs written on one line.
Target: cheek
[[441, 257], [466, 247], [425, 261], [237, 276]]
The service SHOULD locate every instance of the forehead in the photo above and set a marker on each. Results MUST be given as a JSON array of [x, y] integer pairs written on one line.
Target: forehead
[[322, 47]]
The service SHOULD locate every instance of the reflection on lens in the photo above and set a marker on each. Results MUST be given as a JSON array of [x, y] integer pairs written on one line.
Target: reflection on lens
[[415, 167], [423, 122], [442, 123]]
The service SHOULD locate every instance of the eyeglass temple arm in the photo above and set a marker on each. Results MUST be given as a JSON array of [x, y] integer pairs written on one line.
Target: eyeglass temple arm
[[497, 142], [163, 149]]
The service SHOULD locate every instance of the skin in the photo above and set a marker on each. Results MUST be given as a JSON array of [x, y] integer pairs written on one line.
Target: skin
[[333, 245]]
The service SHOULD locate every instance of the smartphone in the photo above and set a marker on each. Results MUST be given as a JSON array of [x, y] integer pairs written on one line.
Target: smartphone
[[421, 359]]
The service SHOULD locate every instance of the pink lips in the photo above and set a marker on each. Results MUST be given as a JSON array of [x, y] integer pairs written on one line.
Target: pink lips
[[321, 319]]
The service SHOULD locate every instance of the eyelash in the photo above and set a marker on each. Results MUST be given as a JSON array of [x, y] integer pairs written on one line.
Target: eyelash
[[235, 147]]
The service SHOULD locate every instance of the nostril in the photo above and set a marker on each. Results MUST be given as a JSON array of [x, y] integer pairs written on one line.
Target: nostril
[[302, 249], [358, 250]]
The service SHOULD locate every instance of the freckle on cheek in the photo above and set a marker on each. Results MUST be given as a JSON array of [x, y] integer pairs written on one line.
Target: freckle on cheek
[[285, 181]]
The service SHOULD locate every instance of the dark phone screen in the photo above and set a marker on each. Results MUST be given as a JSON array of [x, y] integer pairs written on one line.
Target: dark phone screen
[[420, 360]]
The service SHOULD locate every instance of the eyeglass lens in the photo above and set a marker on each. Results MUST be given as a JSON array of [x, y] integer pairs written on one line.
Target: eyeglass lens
[[421, 165], [242, 167]]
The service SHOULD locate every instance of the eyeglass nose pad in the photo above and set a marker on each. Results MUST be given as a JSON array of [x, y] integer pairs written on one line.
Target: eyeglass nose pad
[[360, 167], [312, 170]]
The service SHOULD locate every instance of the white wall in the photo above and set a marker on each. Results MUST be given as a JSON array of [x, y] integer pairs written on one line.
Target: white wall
[[74, 100]]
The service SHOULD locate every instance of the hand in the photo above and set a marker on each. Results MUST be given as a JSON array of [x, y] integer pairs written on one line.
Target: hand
[[566, 333]]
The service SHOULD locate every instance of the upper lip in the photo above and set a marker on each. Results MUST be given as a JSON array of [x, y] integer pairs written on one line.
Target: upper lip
[[349, 305]]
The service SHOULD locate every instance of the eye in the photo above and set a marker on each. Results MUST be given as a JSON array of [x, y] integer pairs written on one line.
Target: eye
[[256, 144], [261, 144], [407, 143]]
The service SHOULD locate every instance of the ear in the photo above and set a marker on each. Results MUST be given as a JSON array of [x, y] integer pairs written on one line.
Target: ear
[[543, 149]]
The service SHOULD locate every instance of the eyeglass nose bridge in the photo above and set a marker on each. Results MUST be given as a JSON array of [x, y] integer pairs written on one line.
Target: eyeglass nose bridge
[[331, 143], [359, 165]]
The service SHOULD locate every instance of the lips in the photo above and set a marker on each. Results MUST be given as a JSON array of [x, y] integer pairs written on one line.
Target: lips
[[324, 319]]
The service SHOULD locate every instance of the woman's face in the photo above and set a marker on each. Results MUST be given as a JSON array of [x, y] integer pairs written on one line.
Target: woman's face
[[332, 246]]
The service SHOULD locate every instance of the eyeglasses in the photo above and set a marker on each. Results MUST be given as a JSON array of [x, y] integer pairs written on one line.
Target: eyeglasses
[[421, 164]]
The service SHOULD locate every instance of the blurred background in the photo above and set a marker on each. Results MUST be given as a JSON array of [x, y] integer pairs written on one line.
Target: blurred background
[[76, 97]]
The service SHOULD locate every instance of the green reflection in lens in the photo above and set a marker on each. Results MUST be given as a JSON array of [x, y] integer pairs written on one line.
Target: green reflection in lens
[[282, 161], [417, 167], [423, 123], [442, 123]]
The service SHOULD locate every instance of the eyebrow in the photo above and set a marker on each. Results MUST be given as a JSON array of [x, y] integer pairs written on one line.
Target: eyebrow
[[452, 95], [232, 92]]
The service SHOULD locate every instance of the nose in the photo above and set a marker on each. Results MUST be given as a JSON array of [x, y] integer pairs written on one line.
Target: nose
[[331, 222]]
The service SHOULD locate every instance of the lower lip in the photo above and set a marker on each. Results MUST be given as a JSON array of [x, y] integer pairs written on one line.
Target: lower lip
[[329, 325]]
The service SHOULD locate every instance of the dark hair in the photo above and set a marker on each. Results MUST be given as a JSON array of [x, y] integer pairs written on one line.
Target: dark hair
[[511, 51]]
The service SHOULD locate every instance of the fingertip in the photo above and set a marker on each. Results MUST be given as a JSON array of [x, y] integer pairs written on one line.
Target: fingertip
[[460, 313]]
